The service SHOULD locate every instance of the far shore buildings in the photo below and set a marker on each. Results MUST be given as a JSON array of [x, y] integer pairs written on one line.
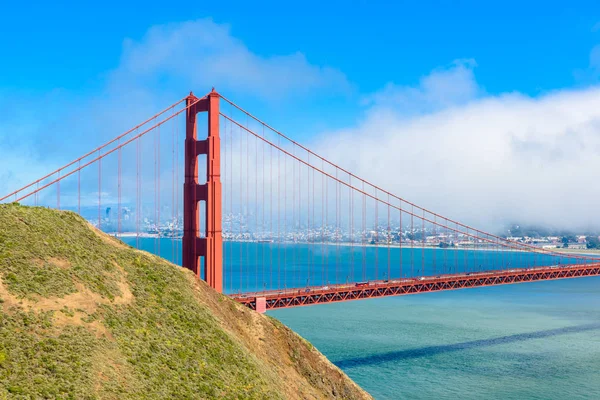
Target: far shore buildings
[[239, 227]]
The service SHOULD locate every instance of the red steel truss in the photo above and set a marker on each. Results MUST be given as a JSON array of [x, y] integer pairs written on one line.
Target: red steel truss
[[336, 293]]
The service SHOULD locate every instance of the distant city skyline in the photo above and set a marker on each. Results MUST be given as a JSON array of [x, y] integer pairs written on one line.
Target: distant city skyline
[[245, 227]]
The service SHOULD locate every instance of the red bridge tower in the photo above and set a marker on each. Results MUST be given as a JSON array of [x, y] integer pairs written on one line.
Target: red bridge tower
[[211, 246]]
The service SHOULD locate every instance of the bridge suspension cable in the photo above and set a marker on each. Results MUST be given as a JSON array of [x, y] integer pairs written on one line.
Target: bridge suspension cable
[[377, 188]]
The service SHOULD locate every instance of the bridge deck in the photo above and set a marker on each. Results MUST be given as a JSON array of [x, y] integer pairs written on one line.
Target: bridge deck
[[269, 300]]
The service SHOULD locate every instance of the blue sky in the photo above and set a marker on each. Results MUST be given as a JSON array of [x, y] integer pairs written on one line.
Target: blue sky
[[528, 47], [331, 74]]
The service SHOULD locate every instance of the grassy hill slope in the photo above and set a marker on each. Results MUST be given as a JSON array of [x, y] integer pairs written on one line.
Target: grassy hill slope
[[85, 316]]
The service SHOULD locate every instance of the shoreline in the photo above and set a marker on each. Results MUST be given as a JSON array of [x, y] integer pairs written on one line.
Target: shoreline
[[420, 246], [567, 251]]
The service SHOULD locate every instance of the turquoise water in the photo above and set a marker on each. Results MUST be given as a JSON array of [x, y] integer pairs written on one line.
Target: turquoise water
[[527, 341], [258, 266]]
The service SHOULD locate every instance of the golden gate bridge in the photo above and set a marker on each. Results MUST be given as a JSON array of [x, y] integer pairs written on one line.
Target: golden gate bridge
[[274, 224]]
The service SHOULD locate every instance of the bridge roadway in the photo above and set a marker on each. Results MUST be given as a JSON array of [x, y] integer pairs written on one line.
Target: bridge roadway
[[273, 299]]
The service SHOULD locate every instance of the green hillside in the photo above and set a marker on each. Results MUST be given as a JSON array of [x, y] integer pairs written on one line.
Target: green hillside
[[86, 316]]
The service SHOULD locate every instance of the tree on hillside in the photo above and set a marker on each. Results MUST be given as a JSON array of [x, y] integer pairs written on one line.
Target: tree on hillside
[[593, 242], [568, 239]]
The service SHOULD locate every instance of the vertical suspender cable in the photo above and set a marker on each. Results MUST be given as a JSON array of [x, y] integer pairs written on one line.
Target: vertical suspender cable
[[294, 231], [247, 211], [337, 229], [434, 249], [400, 235], [241, 215], [412, 242], [224, 174], [156, 251], [231, 210], [278, 215], [376, 235], [78, 188], [58, 191], [314, 221], [423, 245], [119, 192], [263, 212], [256, 209], [99, 190], [138, 203], [466, 252], [271, 215], [176, 184], [389, 240], [327, 222], [324, 257], [308, 252], [351, 216], [285, 181], [456, 252], [364, 233], [447, 244], [158, 189], [173, 185]]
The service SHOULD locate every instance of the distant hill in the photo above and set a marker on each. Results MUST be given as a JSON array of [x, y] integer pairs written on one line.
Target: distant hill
[[86, 316]]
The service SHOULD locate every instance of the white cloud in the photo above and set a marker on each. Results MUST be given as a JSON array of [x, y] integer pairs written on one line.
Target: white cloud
[[201, 54], [485, 160], [443, 87]]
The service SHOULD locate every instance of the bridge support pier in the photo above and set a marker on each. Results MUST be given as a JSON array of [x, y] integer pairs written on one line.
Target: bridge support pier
[[209, 247], [261, 304]]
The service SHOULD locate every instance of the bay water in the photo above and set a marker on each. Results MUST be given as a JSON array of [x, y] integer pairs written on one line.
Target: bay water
[[537, 340]]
